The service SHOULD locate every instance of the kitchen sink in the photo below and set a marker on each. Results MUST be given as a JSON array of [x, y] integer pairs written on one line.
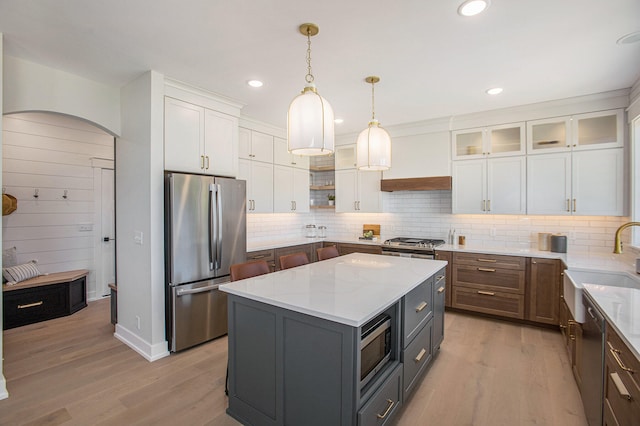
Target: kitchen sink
[[573, 286]]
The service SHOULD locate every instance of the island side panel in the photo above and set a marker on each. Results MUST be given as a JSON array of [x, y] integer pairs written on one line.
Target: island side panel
[[289, 368], [252, 362], [318, 369]]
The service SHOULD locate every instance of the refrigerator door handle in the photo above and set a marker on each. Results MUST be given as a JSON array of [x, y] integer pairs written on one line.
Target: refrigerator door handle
[[183, 292], [219, 227], [212, 228]]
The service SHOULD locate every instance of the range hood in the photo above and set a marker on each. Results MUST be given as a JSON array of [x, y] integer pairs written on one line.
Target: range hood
[[433, 183]]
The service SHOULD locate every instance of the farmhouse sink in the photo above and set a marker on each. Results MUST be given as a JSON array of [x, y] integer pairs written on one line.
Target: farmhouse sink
[[573, 286]]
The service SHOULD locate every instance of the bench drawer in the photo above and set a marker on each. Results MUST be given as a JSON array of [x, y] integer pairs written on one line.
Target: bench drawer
[[31, 305]]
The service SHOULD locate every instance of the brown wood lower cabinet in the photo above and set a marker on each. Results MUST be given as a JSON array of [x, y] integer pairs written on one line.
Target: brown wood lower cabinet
[[347, 248], [447, 256], [489, 302], [308, 249], [622, 384], [572, 335], [543, 290], [266, 255]]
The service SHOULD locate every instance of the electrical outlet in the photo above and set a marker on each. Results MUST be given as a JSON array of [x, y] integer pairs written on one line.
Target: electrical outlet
[[84, 227], [492, 232], [137, 237], [138, 322]]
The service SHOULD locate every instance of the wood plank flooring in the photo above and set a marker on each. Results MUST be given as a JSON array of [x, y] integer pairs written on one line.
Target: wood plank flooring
[[72, 371]]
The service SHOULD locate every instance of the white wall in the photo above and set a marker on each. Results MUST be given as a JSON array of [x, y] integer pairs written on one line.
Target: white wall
[[3, 382], [33, 87], [52, 154], [140, 209]]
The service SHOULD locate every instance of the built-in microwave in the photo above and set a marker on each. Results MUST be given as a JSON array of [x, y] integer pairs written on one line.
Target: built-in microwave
[[375, 347]]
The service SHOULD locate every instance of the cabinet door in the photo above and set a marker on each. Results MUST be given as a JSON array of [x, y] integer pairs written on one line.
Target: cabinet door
[[183, 136], [262, 187], [439, 302], [469, 186], [300, 193], [549, 184], [549, 135], [282, 189], [346, 190], [220, 144], [506, 186], [345, 157], [506, 140], [244, 143], [598, 182], [261, 147], [598, 130], [281, 155], [468, 144], [544, 291], [244, 173], [368, 194]]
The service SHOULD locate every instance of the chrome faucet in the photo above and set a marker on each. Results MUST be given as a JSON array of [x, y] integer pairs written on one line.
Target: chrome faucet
[[618, 244]]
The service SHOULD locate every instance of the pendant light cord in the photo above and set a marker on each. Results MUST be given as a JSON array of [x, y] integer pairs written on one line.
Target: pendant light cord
[[373, 104], [309, 77]]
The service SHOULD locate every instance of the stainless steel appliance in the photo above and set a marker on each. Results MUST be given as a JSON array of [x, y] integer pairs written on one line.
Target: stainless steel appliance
[[592, 368], [205, 233], [375, 347], [422, 248]]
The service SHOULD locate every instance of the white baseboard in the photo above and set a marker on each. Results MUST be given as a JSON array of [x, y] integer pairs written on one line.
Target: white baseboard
[[3, 388], [148, 351]]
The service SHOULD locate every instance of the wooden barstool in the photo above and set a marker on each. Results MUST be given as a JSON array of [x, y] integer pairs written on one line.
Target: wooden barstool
[[327, 252], [292, 260], [240, 271]]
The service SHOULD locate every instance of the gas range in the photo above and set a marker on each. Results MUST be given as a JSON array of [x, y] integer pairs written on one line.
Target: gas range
[[411, 247]]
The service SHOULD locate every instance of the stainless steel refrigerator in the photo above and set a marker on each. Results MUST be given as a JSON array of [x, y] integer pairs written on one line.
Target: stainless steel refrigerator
[[205, 233]]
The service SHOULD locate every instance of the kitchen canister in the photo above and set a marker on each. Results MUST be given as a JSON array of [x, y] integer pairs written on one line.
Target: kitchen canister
[[559, 243], [544, 240]]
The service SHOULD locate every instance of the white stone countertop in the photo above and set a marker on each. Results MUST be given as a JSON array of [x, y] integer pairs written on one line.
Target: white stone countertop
[[621, 307], [349, 289]]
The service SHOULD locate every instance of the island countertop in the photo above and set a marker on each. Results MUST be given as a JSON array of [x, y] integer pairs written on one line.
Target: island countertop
[[349, 289]]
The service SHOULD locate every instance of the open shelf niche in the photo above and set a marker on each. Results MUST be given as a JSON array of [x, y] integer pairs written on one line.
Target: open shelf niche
[[321, 181]]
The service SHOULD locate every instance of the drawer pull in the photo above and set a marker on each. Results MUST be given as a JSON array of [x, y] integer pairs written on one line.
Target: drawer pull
[[391, 404], [622, 389], [486, 269], [30, 305], [258, 257], [441, 289], [487, 260], [486, 293], [439, 277], [420, 355], [421, 306], [615, 352]]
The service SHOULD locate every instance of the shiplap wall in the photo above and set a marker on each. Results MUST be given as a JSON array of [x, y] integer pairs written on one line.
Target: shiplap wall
[[52, 153]]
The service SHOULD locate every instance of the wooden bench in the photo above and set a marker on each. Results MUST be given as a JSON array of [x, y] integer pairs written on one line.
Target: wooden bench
[[44, 297]]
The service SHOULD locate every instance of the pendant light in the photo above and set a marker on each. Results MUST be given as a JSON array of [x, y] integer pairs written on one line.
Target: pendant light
[[310, 117], [373, 148]]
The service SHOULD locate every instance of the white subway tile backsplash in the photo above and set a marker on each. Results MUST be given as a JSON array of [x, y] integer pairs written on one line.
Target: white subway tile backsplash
[[428, 214]]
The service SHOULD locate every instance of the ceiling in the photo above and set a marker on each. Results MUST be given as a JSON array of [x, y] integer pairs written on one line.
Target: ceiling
[[432, 62]]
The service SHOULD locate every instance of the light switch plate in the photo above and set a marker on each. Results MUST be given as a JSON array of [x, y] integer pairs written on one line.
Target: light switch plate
[[137, 237]]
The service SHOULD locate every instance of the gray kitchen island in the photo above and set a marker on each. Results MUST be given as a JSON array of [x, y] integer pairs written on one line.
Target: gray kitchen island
[[295, 339]]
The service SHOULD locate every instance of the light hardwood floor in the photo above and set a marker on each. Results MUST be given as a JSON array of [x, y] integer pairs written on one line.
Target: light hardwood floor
[[72, 371]]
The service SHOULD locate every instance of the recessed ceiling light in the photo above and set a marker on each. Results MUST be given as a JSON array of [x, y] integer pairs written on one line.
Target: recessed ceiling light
[[254, 83], [629, 38], [338, 121], [473, 7], [494, 91]]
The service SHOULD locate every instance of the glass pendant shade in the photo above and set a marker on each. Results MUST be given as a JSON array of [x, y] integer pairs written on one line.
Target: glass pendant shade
[[373, 148], [310, 124]]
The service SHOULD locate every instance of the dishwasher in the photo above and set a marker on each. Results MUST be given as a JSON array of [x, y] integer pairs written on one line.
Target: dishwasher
[[592, 371]]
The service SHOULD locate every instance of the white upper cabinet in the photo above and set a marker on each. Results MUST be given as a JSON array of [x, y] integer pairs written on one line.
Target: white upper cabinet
[[494, 141], [290, 190], [282, 156], [494, 186], [255, 146], [358, 191], [199, 140], [578, 183], [259, 177], [345, 157], [597, 130]]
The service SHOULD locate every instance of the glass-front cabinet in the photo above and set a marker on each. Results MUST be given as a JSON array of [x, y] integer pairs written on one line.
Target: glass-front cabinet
[[495, 141], [597, 130]]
